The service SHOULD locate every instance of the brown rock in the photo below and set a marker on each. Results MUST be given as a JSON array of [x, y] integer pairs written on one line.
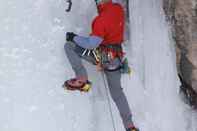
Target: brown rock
[[183, 16]]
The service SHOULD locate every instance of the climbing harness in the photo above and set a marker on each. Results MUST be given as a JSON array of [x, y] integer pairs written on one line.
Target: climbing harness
[[109, 58]]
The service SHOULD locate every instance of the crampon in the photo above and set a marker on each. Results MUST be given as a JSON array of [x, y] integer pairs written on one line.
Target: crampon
[[77, 84]]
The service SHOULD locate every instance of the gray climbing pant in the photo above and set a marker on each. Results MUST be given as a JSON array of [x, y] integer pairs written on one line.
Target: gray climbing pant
[[73, 53]]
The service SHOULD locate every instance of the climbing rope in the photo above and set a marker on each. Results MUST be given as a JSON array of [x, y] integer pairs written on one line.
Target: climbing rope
[[108, 100]]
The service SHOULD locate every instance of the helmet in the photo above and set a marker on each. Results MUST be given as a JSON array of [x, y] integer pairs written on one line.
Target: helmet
[[101, 1]]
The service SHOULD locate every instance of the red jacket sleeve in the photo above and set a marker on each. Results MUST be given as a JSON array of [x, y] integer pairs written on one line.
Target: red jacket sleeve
[[98, 28]]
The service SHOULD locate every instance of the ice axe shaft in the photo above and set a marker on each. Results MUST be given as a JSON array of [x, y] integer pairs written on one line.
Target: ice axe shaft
[[69, 5]]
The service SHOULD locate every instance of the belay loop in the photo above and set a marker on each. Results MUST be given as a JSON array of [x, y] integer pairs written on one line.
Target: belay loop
[[69, 5]]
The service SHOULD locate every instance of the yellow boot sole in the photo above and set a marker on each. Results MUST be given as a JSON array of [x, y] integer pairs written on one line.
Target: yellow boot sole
[[86, 88]]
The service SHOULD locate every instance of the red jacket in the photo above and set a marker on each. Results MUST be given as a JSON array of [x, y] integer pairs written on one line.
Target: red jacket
[[109, 24]]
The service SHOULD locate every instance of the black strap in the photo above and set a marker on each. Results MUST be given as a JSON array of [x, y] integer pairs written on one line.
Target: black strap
[[118, 68]]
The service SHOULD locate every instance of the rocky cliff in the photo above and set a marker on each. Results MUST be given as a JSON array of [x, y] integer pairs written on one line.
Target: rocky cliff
[[183, 16]]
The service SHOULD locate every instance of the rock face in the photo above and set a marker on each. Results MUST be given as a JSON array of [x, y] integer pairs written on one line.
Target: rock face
[[183, 16]]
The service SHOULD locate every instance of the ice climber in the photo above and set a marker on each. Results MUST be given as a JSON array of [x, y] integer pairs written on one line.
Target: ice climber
[[106, 36]]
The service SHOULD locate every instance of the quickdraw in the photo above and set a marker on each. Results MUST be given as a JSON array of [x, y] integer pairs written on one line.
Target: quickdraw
[[69, 5]]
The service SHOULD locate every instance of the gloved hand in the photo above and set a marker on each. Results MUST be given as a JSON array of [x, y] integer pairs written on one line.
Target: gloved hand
[[70, 36]]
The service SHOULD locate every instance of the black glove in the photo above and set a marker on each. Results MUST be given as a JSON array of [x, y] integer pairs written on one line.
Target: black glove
[[70, 36]]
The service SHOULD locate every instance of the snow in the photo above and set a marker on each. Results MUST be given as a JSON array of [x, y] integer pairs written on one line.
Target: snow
[[33, 68]]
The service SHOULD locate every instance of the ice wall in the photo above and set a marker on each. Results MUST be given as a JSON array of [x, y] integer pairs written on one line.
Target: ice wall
[[33, 67], [155, 95]]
